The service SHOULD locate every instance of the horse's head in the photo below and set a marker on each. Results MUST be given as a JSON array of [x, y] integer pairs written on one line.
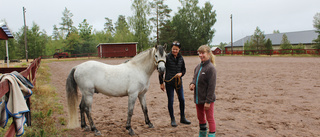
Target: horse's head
[[160, 58]]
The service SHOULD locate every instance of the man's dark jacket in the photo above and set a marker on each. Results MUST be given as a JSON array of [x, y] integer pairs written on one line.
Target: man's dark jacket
[[173, 66]]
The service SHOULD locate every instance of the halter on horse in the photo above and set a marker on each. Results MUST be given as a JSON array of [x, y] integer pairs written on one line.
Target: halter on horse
[[127, 79]]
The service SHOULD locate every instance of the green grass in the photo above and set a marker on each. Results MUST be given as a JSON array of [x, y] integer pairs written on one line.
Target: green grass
[[46, 113]]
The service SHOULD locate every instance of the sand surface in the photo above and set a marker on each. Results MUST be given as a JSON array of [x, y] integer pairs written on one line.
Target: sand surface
[[256, 96]]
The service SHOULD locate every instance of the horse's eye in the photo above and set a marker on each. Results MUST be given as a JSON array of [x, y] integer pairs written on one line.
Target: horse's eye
[[156, 56]]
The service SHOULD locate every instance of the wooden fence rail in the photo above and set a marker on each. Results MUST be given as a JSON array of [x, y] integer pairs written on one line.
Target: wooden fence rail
[[30, 73], [273, 52]]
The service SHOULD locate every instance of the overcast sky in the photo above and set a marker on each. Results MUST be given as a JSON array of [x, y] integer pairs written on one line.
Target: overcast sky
[[268, 15]]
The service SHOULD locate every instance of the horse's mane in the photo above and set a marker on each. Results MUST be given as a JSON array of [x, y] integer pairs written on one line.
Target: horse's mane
[[141, 55]]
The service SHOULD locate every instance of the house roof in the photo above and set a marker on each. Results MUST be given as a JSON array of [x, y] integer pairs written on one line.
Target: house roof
[[5, 29], [116, 43], [295, 38]]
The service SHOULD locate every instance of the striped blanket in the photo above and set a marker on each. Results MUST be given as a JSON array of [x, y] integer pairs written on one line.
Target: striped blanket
[[13, 104]]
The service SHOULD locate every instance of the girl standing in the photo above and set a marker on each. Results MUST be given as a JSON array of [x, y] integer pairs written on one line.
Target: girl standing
[[203, 85]]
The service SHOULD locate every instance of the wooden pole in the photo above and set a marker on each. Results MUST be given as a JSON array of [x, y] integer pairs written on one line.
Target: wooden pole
[[7, 54], [25, 33], [231, 36]]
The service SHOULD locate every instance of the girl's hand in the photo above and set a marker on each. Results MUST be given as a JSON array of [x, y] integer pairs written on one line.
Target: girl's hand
[[206, 106], [191, 87]]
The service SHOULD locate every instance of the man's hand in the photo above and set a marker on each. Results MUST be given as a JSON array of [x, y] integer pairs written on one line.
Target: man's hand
[[178, 75], [162, 86]]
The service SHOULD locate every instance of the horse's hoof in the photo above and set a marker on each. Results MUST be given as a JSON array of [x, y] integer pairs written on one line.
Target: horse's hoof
[[151, 125], [97, 133], [86, 128], [131, 133]]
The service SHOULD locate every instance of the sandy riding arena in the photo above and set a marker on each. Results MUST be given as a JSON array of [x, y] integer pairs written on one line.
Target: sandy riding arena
[[256, 96]]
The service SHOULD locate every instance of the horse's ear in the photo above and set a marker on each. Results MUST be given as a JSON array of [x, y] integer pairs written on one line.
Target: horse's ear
[[165, 46], [155, 46]]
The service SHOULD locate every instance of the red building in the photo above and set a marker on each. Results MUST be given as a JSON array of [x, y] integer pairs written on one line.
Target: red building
[[5, 33], [216, 50], [106, 50]]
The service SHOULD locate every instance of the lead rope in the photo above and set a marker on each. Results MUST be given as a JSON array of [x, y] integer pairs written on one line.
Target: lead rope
[[177, 83]]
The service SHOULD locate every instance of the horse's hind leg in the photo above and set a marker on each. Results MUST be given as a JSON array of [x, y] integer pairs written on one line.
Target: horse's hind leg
[[143, 103], [82, 115], [85, 107]]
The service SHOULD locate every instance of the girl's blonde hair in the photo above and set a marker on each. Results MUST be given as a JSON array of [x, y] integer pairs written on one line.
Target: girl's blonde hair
[[205, 48]]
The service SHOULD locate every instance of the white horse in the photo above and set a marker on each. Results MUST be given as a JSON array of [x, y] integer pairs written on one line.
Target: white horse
[[127, 79]]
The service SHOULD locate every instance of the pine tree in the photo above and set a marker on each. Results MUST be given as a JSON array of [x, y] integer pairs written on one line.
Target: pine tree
[[268, 47], [285, 44], [140, 23], [258, 39], [161, 14], [316, 25], [66, 24]]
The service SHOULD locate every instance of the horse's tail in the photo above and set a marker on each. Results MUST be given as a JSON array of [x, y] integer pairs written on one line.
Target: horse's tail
[[72, 99]]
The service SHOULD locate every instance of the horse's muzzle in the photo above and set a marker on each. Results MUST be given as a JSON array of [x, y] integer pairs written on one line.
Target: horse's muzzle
[[161, 70]]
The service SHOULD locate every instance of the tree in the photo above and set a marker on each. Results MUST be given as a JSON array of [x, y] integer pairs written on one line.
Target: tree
[[85, 31], [161, 14], [108, 26], [37, 41], [258, 39], [12, 45], [285, 44], [222, 45], [102, 37], [194, 25], [167, 33], [248, 47], [72, 43], [316, 25], [269, 48], [12, 48], [276, 31], [140, 23], [56, 34], [122, 32], [207, 20], [299, 49], [66, 24]]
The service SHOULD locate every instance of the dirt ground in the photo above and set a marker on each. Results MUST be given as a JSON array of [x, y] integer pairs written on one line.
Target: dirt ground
[[256, 96]]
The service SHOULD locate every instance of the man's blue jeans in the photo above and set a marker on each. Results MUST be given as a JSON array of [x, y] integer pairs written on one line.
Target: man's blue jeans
[[170, 94]]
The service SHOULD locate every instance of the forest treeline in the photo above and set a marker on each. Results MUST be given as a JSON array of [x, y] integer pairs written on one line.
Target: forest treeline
[[150, 24]]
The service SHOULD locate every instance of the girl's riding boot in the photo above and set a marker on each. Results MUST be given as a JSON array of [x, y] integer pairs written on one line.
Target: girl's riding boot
[[212, 135], [203, 130], [203, 133]]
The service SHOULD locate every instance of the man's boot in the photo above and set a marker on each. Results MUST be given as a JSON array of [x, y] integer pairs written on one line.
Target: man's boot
[[183, 120], [173, 122]]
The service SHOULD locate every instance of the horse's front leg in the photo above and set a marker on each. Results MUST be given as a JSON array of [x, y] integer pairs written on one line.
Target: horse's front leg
[[143, 103], [131, 101]]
